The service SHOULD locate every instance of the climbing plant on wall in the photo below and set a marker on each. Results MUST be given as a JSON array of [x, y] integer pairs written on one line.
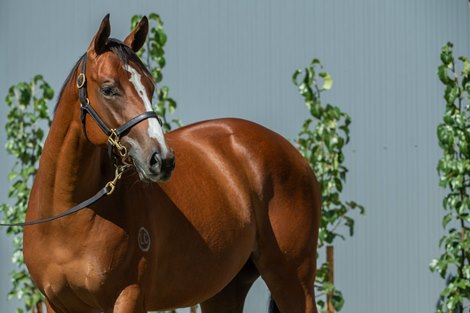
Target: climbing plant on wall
[[26, 121], [454, 172], [321, 141]]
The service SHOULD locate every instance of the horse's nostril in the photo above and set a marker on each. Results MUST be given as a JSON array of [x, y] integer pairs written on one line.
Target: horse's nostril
[[155, 162], [158, 165]]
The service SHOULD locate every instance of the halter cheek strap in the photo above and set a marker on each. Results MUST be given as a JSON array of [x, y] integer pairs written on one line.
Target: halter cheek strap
[[113, 134]]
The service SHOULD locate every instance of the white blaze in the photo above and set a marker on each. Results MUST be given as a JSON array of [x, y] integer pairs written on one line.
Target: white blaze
[[154, 130]]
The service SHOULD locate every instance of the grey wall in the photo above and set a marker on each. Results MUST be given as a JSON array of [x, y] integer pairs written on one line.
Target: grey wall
[[235, 58]]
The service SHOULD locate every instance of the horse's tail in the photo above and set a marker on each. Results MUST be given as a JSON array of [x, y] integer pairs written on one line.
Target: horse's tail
[[273, 307]]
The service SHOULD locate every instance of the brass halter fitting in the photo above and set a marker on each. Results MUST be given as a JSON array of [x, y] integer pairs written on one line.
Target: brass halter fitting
[[120, 169], [114, 141], [126, 161], [81, 79]]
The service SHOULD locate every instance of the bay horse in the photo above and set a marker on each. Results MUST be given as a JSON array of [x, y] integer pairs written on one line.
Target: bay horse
[[202, 212]]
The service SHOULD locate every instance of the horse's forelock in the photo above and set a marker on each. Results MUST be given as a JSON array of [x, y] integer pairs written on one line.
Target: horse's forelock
[[126, 54]]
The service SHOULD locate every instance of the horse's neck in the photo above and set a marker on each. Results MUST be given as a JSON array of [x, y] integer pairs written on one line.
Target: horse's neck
[[71, 168]]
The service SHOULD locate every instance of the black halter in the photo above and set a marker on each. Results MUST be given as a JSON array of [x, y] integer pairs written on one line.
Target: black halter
[[114, 134]]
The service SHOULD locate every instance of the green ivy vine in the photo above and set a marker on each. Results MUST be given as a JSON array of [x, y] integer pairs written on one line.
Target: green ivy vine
[[321, 141], [454, 173]]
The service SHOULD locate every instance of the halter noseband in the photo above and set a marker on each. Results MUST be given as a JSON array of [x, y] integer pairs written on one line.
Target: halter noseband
[[114, 134]]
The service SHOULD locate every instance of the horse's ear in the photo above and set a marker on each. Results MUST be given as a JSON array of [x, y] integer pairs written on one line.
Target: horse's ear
[[137, 37], [98, 43]]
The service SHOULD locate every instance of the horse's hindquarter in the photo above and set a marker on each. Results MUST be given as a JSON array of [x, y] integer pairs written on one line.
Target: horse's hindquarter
[[227, 174]]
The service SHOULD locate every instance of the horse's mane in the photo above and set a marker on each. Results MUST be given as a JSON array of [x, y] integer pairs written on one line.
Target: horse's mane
[[70, 76], [121, 50]]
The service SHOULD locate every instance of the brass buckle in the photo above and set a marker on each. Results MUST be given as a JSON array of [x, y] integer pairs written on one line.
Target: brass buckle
[[111, 185], [122, 150], [81, 79], [113, 138]]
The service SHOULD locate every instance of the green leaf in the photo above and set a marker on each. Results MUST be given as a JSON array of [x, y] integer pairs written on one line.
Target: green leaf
[[162, 38], [12, 175], [466, 66], [171, 105], [349, 222], [48, 92], [316, 110], [315, 62], [295, 77], [337, 300], [446, 220], [327, 81], [445, 134], [433, 265], [452, 93], [446, 54], [442, 74]]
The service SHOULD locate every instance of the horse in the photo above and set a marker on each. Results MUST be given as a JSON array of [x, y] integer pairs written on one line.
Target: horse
[[199, 213]]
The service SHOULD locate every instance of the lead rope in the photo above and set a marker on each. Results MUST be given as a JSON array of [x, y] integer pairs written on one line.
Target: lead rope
[[107, 190]]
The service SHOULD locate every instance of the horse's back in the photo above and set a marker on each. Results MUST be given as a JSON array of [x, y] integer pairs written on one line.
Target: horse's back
[[241, 155]]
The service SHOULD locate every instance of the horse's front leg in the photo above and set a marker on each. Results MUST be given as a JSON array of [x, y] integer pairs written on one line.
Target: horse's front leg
[[130, 300]]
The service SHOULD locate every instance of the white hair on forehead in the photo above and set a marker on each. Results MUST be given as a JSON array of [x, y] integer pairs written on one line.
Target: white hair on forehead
[[154, 130]]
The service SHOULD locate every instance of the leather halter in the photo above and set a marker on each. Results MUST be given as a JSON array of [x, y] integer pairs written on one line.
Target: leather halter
[[114, 134]]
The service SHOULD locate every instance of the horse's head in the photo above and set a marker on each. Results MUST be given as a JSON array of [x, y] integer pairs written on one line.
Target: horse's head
[[116, 101]]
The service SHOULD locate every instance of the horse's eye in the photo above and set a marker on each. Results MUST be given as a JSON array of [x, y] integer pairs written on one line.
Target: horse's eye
[[109, 91]]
